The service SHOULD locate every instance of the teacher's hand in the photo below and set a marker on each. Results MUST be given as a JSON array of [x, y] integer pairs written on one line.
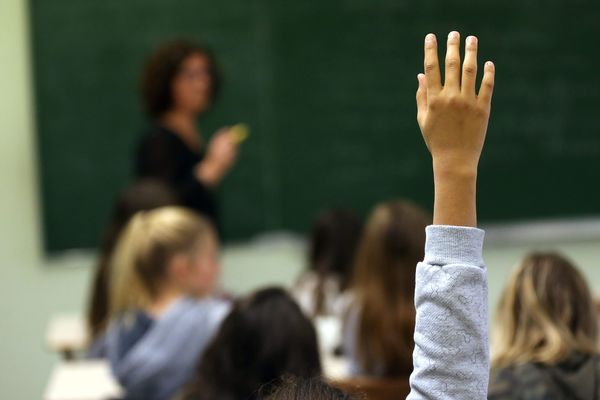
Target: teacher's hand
[[221, 155]]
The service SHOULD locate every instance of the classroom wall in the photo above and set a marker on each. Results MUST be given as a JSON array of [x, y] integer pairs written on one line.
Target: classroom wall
[[33, 288], [18, 204]]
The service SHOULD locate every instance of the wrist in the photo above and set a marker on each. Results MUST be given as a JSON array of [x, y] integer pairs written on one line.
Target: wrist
[[208, 172], [454, 170], [455, 193]]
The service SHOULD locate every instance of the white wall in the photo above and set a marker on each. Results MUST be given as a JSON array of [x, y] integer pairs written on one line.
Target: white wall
[[18, 205]]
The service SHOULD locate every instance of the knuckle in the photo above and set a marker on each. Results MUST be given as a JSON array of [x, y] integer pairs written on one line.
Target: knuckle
[[430, 66], [458, 102], [452, 63], [480, 111], [433, 104], [470, 69]]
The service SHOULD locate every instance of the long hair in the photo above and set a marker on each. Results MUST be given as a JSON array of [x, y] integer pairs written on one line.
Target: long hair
[[384, 279], [333, 243], [265, 337], [145, 194], [150, 240], [546, 313]]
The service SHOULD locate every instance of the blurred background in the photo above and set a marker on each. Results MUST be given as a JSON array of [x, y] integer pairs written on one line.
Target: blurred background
[[328, 91]]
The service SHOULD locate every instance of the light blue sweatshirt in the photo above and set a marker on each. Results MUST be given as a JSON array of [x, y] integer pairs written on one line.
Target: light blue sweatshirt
[[451, 356], [155, 361]]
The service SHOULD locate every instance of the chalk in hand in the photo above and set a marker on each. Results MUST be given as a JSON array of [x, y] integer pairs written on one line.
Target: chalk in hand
[[240, 132]]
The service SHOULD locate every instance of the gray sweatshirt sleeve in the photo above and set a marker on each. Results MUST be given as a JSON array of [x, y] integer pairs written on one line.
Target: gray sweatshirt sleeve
[[451, 356]]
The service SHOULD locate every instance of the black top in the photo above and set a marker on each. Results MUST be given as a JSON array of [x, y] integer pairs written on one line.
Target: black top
[[162, 155]]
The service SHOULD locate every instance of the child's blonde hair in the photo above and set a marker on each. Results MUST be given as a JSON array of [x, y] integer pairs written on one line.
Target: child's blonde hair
[[143, 252], [545, 313]]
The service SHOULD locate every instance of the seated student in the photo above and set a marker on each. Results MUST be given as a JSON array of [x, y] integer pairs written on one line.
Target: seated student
[[451, 339], [295, 388], [265, 337], [145, 194], [164, 269], [451, 359], [379, 326], [320, 290], [545, 344]]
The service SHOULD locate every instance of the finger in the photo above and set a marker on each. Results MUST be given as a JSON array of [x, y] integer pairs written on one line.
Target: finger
[[452, 75], [224, 130], [421, 95], [487, 84], [469, 66], [432, 65]]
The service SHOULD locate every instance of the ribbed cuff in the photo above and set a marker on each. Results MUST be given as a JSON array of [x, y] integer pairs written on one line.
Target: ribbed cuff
[[447, 244]]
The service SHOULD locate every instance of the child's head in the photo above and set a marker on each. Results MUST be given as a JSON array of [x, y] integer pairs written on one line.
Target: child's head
[[333, 241], [166, 249], [265, 337], [295, 388], [142, 195], [334, 237], [393, 243], [545, 313]]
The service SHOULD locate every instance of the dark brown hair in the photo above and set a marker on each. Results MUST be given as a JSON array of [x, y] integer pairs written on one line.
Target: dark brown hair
[[333, 243], [384, 280], [142, 195], [265, 337], [295, 388], [161, 69]]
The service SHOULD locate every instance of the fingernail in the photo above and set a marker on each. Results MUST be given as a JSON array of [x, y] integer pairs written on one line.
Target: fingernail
[[490, 65], [453, 35], [472, 41], [430, 38]]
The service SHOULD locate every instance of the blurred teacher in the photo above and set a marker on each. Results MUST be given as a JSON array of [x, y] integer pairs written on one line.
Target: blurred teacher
[[180, 83]]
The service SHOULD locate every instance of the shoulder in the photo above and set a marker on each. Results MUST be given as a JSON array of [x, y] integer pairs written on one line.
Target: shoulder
[[156, 134], [213, 310], [527, 381], [502, 382]]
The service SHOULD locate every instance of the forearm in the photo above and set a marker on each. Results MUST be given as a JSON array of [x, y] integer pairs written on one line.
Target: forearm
[[451, 338], [451, 341]]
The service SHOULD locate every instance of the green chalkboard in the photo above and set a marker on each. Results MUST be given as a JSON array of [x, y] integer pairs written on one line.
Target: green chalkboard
[[328, 89]]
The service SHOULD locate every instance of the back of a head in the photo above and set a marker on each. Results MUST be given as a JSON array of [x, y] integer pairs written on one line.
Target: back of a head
[[147, 244], [393, 242], [294, 388], [546, 313], [334, 237], [333, 241], [143, 195], [265, 337]]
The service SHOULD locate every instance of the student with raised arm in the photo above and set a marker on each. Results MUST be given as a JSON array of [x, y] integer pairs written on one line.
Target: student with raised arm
[[451, 357]]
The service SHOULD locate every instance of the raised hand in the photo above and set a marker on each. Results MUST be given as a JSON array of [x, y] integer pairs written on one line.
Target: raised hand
[[453, 119]]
